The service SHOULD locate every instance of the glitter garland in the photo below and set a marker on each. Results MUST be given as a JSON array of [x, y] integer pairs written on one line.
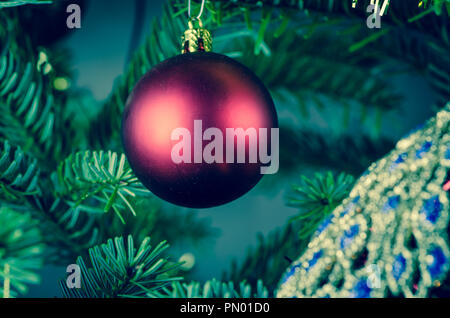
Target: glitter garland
[[389, 237]]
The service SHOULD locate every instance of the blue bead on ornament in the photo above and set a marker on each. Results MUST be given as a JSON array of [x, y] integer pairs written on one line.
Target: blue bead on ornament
[[289, 273], [350, 206], [432, 209], [423, 149], [391, 203], [349, 236], [314, 260], [398, 267], [361, 289], [325, 223], [437, 266], [400, 159]]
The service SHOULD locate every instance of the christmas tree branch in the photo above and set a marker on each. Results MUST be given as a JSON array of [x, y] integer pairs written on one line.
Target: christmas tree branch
[[71, 208], [28, 101], [407, 41], [105, 180], [400, 12], [21, 184], [118, 269], [316, 198], [19, 174], [344, 153], [30, 118], [340, 75], [16, 3], [212, 289], [66, 232], [21, 251], [115, 270]]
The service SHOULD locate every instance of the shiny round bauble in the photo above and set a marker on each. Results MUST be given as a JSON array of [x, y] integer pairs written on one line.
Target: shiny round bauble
[[200, 86]]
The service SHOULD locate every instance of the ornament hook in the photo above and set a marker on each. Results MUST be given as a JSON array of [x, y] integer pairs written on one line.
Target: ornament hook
[[196, 38], [200, 13]]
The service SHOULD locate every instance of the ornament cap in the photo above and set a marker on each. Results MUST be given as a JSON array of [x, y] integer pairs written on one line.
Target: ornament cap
[[196, 38]]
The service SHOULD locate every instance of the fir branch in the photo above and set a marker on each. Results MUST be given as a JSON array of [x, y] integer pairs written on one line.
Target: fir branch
[[70, 228], [16, 3], [423, 42], [67, 232], [28, 100], [316, 198], [336, 73], [400, 11], [116, 269], [212, 289], [432, 60], [27, 90], [344, 153], [97, 178], [21, 252], [19, 174], [64, 227], [435, 6]]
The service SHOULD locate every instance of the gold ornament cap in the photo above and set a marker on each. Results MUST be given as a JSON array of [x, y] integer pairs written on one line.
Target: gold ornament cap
[[196, 38]]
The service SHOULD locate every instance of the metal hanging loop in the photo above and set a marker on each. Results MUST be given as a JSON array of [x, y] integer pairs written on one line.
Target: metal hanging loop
[[199, 14], [196, 38]]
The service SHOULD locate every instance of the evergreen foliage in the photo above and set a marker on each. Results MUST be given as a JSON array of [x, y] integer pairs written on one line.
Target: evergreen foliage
[[316, 198], [57, 193], [97, 176], [213, 289], [19, 174], [31, 114], [21, 251], [119, 269], [16, 3]]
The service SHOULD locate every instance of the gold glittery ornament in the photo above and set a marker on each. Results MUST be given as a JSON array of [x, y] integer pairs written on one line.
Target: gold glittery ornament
[[389, 237]]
